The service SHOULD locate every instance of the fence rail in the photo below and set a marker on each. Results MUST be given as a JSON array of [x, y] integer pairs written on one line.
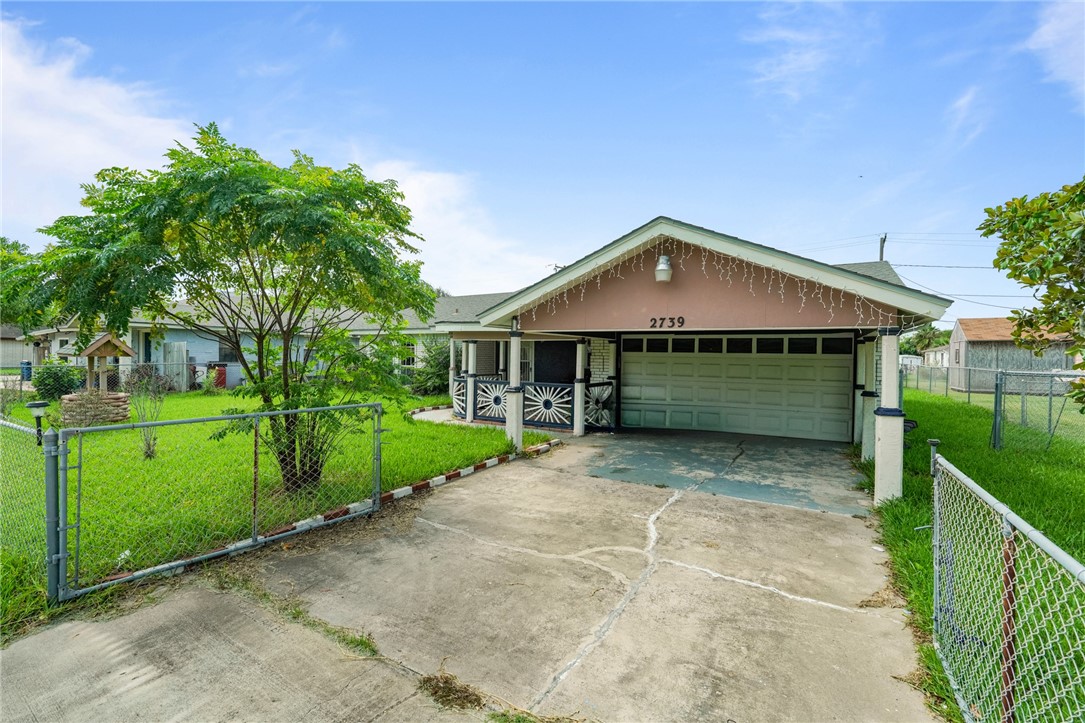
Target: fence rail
[[1009, 608], [275, 474]]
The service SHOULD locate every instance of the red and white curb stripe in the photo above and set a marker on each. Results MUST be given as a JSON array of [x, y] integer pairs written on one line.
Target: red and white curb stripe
[[429, 409]]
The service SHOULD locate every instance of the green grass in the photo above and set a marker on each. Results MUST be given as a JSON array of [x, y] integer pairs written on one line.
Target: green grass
[[1045, 487], [197, 493]]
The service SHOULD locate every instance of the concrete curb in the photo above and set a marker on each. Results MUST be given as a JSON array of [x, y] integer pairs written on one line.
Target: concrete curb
[[429, 409]]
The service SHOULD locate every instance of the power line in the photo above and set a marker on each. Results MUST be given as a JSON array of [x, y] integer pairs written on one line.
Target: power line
[[958, 297], [946, 266]]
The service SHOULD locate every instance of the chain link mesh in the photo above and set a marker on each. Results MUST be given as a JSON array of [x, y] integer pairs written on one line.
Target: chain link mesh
[[1035, 409], [22, 499], [1009, 617], [210, 484]]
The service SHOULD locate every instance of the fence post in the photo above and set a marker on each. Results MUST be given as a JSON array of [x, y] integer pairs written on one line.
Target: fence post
[[996, 427], [936, 532], [255, 479], [376, 503], [52, 514], [1050, 401], [934, 454], [969, 377], [947, 382], [900, 386], [1008, 650]]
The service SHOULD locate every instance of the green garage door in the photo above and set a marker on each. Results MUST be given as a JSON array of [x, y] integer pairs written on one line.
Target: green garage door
[[780, 385]]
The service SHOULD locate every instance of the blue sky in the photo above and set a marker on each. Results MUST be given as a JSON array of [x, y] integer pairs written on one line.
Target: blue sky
[[526, 135]]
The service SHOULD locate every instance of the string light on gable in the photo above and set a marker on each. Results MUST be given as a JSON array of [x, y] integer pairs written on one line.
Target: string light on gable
[[723, 267]]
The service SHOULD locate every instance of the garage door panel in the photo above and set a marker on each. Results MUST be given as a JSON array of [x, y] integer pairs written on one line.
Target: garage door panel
[[770, 371], [769, 398], [708, 394], [738, 371], [803, 373], [654, 392], [656, 368], [682, 393], [836, 373], [631, 392], [802, 398], [833, 400], [681, 419], [655, 418], [738, 395], [709, 420]]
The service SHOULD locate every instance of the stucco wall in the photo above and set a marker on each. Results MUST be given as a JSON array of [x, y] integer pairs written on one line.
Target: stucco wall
[[696, 301]]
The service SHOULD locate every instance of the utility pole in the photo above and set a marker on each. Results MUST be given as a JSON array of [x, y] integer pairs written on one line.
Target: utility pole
[[881, 248]]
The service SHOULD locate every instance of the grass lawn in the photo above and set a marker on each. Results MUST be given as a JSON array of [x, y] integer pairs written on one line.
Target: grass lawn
[[197, 493], [1045, 487]]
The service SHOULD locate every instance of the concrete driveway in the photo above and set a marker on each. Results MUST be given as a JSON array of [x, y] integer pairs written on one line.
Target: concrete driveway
[[548, 585]]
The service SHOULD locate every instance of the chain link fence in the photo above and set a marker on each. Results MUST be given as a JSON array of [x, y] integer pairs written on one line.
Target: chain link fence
[[214, 486], [22, 496], [1031, 408], [1009, 608]]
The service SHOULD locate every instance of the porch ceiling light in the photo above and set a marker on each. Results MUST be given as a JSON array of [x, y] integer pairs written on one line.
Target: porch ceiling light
[[663, 270]]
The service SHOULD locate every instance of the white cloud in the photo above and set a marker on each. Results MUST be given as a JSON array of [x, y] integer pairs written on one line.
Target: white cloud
[[1058, 42], [804, 41], [463, 252], [61, 126], [966, 117]]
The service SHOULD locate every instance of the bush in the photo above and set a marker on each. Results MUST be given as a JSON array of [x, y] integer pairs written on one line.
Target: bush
[[432, 376], [53, 380]]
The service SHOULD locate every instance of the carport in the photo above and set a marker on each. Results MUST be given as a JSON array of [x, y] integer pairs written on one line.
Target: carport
[[677, 327]]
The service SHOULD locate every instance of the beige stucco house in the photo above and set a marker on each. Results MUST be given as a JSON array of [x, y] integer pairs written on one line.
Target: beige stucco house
[[679, 327]]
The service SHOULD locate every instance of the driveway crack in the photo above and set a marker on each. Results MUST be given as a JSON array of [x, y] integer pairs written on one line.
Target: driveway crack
[[607, 625]]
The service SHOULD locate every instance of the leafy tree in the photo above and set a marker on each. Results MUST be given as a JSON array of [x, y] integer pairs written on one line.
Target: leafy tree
[[1043, 248], [923, 338], [23, 301], [275, 263]]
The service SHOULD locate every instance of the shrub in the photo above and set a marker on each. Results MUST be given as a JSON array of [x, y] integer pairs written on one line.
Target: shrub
[[432, 376], [53, 380]]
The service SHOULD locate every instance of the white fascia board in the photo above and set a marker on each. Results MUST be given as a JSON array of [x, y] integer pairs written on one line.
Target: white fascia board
[[909, 300], [448, 328]]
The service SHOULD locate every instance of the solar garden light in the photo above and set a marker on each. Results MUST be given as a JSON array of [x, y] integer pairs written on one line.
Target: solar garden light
[[37, 410], [663, 269]]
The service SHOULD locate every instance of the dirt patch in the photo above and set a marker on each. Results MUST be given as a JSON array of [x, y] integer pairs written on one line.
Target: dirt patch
[[887, 597], [450, 692]]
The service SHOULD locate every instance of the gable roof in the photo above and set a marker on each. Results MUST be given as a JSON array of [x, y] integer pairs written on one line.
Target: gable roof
[[881, 270], [874, 280]]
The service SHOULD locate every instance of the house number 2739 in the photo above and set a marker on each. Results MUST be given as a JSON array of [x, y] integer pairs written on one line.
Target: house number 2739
[[666, 322]]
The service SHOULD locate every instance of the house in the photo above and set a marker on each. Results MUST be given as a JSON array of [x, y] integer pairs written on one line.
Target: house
[[676, 326], [936, 356], [988, 344], [13, 349], [910, 361]]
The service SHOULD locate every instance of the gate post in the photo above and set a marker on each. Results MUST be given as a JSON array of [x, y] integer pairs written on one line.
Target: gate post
[[996, 426], [377, 429], [52, 514]]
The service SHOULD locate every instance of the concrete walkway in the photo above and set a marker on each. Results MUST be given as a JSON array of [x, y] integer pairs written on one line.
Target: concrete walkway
[[549, 588]]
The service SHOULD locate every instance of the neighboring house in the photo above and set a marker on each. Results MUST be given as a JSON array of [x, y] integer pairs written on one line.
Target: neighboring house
[[687, 328], [988, 344], [13, 349], [936, 356], [910, 360]]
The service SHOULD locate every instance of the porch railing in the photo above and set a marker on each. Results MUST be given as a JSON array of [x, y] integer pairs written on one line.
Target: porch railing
[[490, 401], [599, 405], [548, 405], [545, 404]]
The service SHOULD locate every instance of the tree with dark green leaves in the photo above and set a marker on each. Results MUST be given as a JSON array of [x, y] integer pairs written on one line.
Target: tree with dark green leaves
[[273, 262], [1043, 248], [924, 337], [23, 300]]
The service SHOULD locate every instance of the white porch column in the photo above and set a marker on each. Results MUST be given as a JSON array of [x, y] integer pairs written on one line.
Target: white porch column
[[889, 423], [501, 366], [514, 399], [860, 387], [451, 365], [580, 387], [869, 395], [472, 359]]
